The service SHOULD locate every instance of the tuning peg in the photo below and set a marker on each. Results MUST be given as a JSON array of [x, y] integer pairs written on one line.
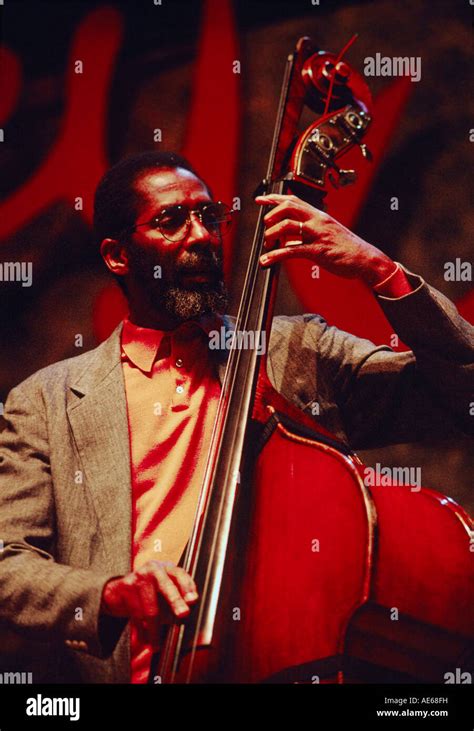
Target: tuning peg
[[366, 152], [345, 177]]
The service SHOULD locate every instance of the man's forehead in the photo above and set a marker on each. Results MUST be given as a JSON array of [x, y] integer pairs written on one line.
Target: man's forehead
[[168, 183]]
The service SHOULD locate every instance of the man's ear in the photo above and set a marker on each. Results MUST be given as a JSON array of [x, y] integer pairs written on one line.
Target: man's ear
[[115, 256]]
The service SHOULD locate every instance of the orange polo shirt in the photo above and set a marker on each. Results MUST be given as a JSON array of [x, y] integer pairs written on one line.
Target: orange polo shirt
[[172, 390]]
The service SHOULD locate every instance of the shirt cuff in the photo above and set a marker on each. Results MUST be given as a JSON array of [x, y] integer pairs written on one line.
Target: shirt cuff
[[395, 285]]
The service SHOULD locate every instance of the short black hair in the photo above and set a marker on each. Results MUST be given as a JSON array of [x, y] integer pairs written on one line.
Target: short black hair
[[116, 198]]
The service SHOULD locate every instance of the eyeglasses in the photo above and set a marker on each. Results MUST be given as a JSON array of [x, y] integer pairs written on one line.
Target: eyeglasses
[[174, 222]]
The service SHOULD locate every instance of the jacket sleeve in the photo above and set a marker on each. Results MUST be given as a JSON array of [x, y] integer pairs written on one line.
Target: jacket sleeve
[[387, 397], [40, 598]]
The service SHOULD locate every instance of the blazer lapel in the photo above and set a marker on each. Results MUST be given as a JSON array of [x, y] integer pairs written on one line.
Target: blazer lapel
[[98, 417]]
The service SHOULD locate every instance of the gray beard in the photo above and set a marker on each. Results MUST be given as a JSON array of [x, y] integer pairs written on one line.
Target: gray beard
[[168, 294], [190, 304]]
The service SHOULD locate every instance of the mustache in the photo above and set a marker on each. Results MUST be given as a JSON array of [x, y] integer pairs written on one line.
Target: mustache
[[173, 270], [194, 261]]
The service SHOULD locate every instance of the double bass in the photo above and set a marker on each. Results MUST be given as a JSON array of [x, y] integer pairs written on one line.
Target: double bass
[[387, 594]]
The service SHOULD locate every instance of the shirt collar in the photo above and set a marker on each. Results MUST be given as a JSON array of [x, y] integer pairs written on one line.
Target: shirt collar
[[141, 344]]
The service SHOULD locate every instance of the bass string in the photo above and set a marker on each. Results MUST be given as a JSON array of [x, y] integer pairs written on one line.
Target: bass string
[[333, 75]]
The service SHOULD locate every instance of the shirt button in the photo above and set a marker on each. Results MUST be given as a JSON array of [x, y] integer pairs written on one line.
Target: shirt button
[[179, 389], [179, 362]]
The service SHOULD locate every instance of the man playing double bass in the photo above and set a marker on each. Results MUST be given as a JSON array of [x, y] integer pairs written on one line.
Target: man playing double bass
[[103, 455]]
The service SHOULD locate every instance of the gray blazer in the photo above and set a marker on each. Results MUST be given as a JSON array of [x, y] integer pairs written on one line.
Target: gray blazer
[[65, 503]]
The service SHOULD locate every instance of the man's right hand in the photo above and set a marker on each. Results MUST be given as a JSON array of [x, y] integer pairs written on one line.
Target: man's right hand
[[158, 590]]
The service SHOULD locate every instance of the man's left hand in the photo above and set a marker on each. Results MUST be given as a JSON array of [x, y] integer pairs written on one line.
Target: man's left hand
[[324, 240]]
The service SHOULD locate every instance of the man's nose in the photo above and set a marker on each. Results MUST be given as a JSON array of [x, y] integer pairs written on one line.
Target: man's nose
[[197, 230]]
